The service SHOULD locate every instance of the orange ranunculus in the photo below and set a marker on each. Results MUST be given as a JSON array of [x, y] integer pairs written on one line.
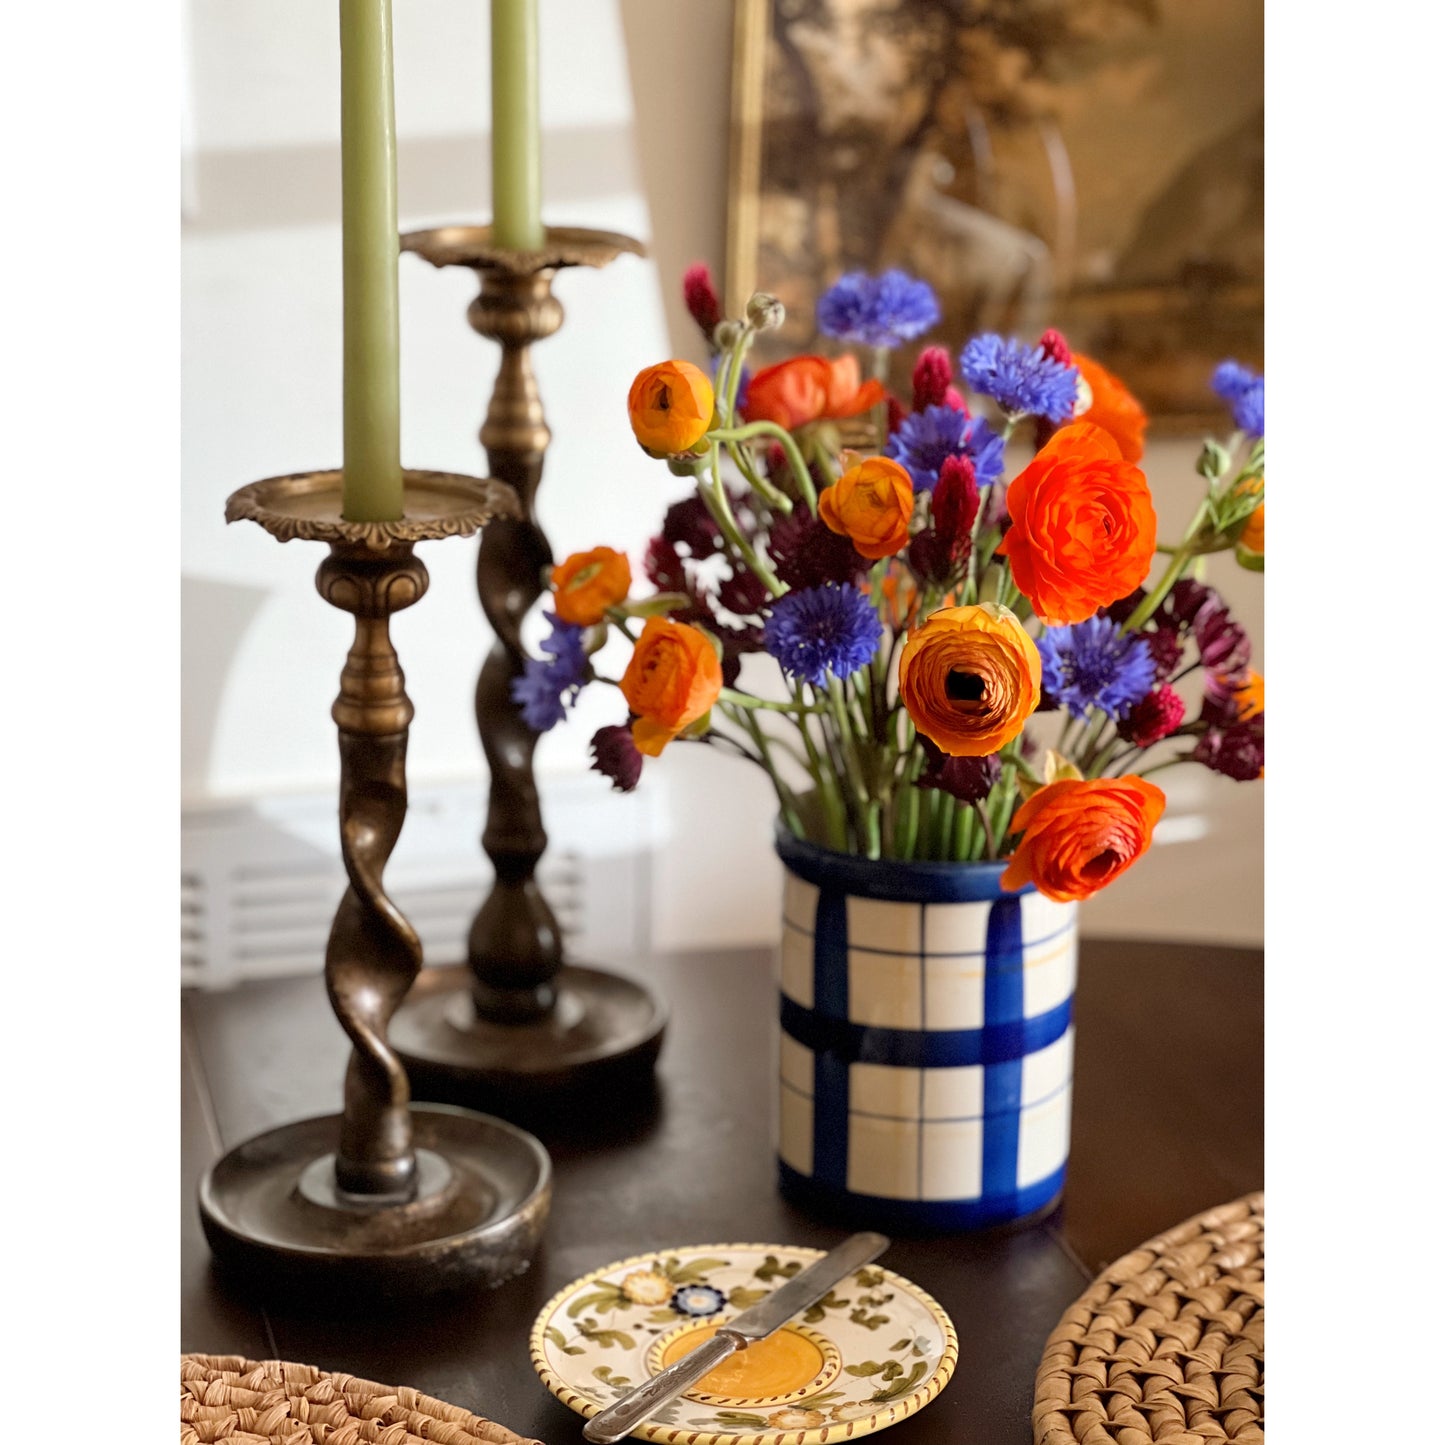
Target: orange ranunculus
[[674, 677], [671, 406], [1079, 834], [969, 678], [1252, 538], [810, 388], [872, 505], [1083, 525], [588, 583], [1249, 696], [1114, 408]]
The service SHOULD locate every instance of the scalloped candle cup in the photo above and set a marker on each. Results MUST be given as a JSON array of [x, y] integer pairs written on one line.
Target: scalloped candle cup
[[926, 1051]]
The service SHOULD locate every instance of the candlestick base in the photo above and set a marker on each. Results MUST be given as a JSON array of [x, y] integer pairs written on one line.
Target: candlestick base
[[523, 1025], [272, 1211], [599, 1041], [382, 1197]]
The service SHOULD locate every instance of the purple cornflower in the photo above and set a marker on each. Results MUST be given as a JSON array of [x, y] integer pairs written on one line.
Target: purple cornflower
[[1095, 664], [884, 310], [541, 691], [1023, 380], [929, 437], [822, 630], [1243, 389]]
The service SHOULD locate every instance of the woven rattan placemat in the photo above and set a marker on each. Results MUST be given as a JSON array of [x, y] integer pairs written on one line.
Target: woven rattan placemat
[[1166, 1347], [271, 1402]]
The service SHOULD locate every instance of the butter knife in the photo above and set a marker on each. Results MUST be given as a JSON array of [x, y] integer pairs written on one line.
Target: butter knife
[[805, 1288]]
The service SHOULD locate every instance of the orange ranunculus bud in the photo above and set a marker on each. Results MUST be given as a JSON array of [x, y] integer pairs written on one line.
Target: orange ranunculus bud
[[588, 583], [969, 678], [1114, 408], [1249, 696], [1083, 525], [674, 677], [1252, 538], [872, 504], [804, 389], [671, 406], [1079, 834]]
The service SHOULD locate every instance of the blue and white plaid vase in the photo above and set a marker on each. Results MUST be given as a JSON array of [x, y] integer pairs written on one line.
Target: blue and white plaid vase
[[926, 1053]]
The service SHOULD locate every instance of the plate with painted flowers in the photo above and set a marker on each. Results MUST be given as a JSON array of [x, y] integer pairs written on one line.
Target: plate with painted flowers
[[874, 1351]]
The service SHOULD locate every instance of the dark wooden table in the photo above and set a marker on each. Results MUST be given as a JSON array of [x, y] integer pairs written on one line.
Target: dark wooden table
[[1168, 1120]]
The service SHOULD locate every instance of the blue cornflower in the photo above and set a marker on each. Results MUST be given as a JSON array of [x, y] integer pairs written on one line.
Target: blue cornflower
[[1095, 663], [929, 437], [822, 630], [884, 310], [1023, 380], [1243, 389], [541, 691]]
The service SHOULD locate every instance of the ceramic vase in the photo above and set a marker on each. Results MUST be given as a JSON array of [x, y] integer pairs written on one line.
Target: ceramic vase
[[925, 1058]]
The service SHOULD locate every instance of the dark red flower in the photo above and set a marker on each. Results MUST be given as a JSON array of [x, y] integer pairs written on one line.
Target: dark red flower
[[1167, 651], [700, 294], [807, 553], [896, 414], [1237, 751], [689, 524], [1153, 718], [967, 779], [615, 756], [664, 567], [932, 373], [743, 594], [955, 504], [1056, 348]]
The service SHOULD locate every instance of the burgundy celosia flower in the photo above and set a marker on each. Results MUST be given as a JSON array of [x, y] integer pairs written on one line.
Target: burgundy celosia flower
[[932, 373], [615, 756], [955, 504], [967, 779], [896, 414], [1153, 718], [1056, 348], [806, 553], [1166, 649], [701, 297], [1237, 751]]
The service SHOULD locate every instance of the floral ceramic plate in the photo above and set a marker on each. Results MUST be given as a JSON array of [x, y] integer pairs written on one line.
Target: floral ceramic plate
[[874, 1351]]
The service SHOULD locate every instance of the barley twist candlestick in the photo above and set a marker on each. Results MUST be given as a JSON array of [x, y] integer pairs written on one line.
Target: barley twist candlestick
[[522, 1025], [385, 1196]]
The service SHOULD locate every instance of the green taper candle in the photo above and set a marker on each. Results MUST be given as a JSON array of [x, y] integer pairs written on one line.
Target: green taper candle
[[516, 127], [371, 441]]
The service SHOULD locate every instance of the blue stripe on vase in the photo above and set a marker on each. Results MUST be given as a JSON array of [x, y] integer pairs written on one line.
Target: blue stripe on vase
[[898, 1215], [888, 878], [923, 1048], [830, 1068], [1003, 998]]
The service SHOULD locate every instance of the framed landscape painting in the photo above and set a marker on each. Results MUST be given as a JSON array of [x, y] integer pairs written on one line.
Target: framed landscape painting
[[1096, 165]]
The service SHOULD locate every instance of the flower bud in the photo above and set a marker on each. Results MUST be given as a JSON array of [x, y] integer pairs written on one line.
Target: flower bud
[[765, 312], [725, 335]]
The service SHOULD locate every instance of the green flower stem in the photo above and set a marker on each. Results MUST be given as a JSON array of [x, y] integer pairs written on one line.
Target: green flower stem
[[982, 814], [747, 700], [735, 369], [825, 778], [907, 831], [786, 800], [790, 449], [715, 499], [1183, 555], [866, 808]]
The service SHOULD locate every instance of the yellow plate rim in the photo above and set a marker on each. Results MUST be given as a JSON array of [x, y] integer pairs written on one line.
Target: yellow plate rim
[[890, 1414]]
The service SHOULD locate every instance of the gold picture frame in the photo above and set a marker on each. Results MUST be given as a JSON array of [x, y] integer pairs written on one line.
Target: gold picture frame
[[1097, 167]]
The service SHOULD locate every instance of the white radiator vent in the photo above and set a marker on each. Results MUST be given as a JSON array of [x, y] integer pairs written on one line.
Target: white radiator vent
[[260, 881]]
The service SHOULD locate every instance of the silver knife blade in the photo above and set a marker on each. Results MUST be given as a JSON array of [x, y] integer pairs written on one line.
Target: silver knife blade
[[805, 1288]]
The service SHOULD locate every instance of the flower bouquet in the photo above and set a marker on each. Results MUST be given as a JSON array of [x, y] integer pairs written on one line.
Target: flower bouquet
[[960, 666]]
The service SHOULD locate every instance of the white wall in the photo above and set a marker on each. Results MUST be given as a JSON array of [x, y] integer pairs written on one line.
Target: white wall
[[635, 102]]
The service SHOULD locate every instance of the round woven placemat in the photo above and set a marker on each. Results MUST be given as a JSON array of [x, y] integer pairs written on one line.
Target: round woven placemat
[[1166, 1347], [271, 1402]]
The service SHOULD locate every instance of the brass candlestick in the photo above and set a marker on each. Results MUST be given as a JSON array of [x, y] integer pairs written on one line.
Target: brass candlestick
[[386, 1195], [521, 1024]]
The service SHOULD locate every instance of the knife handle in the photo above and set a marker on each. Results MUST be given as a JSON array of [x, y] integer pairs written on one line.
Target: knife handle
[[631, 1410]]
